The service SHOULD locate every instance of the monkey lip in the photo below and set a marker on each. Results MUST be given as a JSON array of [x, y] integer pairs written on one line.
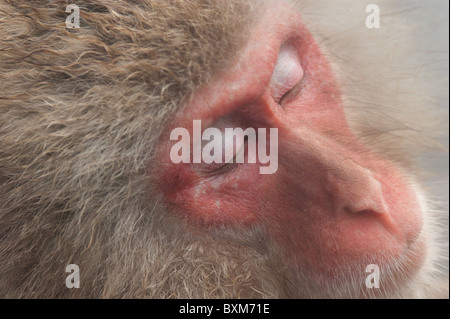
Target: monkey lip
[[397, 247], [401, 248]]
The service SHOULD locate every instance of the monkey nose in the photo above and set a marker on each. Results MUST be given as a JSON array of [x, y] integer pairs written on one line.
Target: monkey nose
[[365, 194], [358, 193]]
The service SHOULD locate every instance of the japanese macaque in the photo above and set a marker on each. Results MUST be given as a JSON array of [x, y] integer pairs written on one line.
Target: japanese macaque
[[86, 176]]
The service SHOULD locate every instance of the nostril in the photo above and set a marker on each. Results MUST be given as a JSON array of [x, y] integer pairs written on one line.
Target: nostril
[[362, 194], [351, 209], [370, 211], [372, 202]]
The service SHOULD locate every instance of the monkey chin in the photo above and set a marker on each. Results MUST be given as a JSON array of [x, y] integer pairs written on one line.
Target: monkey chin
[[344, 272]]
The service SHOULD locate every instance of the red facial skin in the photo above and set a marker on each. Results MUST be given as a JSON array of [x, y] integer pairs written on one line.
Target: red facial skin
[[332, 201]]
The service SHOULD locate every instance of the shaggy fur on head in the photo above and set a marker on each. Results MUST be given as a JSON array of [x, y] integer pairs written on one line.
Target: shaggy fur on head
[[81, 111]]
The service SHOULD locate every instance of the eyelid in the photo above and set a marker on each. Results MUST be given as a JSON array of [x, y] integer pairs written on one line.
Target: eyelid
[[231, 147], [227, 165], [288, 72]]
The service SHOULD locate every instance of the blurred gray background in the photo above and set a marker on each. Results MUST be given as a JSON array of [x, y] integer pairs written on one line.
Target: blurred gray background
[[435, 38]]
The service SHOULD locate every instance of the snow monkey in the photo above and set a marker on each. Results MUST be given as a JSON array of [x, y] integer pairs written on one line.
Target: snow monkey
[[91, 94]]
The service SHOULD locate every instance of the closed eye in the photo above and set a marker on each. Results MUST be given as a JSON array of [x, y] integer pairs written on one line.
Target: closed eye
[[287, 74], [223, 147]]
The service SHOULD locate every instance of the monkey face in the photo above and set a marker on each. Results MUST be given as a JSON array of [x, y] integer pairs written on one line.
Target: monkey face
[[332, 204]]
